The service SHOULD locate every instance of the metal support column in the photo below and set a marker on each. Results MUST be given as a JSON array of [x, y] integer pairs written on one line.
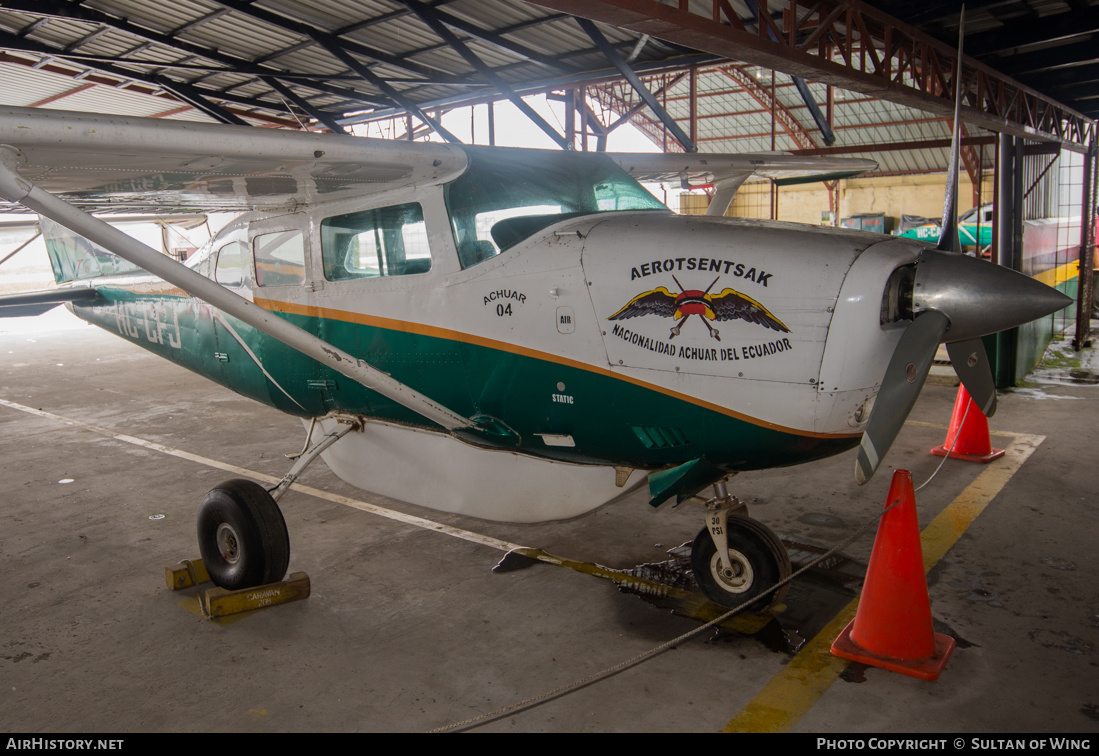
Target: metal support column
[[1007, 250], [570, 120], [693, 104], [1086, 286], [1009, 203]]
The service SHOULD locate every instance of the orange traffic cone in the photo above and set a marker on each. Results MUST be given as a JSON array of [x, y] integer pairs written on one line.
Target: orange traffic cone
[[892, 628], [973, 442]]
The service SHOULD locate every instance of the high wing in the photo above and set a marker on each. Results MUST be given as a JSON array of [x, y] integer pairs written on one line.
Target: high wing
[[110, 163], [728, 172], [659, 301], [732, 305]]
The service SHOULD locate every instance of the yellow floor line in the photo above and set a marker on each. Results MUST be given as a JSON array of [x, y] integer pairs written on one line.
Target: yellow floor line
[[809, 675]]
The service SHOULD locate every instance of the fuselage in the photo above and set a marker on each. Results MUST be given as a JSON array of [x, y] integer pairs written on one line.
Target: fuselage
[[524, 341]]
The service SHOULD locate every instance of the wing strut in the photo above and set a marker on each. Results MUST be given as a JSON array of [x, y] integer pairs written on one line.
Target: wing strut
[[724, 190], [15, 188]]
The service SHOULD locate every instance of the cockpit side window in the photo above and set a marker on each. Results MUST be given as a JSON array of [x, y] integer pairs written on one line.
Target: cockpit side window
[[383, 241], [229, 269]]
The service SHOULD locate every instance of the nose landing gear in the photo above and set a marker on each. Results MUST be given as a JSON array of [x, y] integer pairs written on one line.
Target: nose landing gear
[[736, 558]]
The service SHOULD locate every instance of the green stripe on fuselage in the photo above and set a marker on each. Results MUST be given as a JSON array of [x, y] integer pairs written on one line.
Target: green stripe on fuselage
[[610, 420]]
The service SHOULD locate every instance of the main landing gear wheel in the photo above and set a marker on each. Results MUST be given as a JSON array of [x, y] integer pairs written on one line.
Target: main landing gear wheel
[[242, 536], [756, 561]]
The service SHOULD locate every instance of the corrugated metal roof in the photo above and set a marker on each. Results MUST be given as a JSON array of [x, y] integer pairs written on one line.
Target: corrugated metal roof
[[308, 43], [288, 35], [25, 86]]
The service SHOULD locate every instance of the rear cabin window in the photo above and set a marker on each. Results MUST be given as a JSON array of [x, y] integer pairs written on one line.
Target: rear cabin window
[[384, 241], [280, 258]]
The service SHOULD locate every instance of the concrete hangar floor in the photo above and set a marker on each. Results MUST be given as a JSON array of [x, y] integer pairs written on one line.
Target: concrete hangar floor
[[107, 451]]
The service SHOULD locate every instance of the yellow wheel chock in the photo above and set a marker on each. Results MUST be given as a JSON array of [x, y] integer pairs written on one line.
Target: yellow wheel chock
[[219, 602]]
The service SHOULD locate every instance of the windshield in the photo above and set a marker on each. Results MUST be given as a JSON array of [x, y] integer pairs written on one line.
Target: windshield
[[506, 196], [971, 215]]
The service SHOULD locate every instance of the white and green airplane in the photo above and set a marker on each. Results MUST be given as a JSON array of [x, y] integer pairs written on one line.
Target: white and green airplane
[[509, 334], [974, 229]]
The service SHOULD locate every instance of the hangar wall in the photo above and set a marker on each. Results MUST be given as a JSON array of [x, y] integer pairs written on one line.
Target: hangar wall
[[920, 194]]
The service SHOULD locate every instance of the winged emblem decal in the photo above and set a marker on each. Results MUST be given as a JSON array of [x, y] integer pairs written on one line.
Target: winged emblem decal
[[728, 305]]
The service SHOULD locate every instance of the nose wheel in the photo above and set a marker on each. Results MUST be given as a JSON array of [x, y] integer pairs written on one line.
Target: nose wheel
[[242, 536], [754, 560]]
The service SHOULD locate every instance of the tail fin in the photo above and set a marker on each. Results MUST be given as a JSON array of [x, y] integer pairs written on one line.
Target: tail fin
[[74, 258]]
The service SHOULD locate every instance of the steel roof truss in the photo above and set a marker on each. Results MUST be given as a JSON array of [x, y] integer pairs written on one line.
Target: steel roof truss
[[429, 16], [399, 99], [184, 92], [495, 38], [713, 27], [329, 42], [800, 83], [195, 98], [762, 95], [631, 76], [315, 113], [64, 9]]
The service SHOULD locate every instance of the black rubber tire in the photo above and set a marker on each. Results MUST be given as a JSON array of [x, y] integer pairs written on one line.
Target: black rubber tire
[[255, 529], [760, 548]]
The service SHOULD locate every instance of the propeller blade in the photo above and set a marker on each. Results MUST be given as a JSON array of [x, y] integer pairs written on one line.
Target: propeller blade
[[948, 237], [970, 362], [900, 387]]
